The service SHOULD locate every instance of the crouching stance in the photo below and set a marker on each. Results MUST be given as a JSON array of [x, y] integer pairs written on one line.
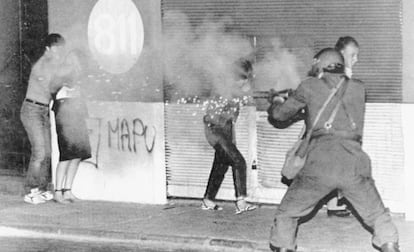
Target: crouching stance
[[335, 159]]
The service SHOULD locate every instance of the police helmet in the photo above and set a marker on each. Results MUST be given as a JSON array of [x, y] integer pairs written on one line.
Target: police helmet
[[327, 60]]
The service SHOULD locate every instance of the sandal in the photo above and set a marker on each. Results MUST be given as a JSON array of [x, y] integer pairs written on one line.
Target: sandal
[[211, 207], [71, 198], [242, 206], [59, 199]]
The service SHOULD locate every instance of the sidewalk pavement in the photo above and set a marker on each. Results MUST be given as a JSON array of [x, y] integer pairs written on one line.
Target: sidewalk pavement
[[182, 224]]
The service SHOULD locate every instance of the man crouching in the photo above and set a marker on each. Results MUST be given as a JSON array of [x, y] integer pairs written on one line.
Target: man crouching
[[335, 159]]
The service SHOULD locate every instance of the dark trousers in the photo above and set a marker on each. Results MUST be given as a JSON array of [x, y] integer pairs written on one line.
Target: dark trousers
[[226, 155], [333, 165], [35, 119]]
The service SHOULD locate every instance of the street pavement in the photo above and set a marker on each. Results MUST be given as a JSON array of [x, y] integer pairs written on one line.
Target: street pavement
[[179, 225], [58, 245]]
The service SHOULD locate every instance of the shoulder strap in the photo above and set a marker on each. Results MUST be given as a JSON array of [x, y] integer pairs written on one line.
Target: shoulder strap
[[328, 123], [318, 116], [305, 142]]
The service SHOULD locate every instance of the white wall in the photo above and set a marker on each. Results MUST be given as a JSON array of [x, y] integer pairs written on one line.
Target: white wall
[[128, 157], [408, 108], [408, 51]]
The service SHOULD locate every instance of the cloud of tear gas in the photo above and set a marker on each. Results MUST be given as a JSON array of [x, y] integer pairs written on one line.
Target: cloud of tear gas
[[279, 69], [194, 61], [201, 59]]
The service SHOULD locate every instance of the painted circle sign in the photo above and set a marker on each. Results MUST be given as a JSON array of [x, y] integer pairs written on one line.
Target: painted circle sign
[[115, 34]]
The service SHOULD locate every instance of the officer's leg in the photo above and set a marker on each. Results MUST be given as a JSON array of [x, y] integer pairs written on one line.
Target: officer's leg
[[217, 173], [364, 197], [300, 199]]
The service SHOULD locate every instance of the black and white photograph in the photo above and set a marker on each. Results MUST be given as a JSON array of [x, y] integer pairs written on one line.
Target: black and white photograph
[[207, 125]]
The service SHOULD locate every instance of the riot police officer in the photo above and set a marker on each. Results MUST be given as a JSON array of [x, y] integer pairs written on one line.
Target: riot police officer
[[335, 159]]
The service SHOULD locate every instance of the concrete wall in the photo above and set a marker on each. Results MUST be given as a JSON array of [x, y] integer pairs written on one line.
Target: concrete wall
[[128, 156], [127, 138]]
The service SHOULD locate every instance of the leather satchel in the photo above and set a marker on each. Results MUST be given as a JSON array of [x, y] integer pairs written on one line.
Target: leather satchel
[[295, 158], [293, 162]]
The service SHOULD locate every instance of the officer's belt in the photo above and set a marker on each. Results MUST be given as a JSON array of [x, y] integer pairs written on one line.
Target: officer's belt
[[349, 135]]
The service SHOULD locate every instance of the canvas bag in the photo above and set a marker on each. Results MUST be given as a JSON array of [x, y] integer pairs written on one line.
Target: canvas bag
[[296, 156]]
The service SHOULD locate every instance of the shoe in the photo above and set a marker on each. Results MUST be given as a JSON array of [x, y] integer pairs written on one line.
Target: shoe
[[277, 249], [339, 213], [242, 206], [210, 205], [390, 247], [34, 197], [47, 195]]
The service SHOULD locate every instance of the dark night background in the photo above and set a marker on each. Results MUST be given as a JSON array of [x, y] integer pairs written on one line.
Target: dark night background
[[23, 24]]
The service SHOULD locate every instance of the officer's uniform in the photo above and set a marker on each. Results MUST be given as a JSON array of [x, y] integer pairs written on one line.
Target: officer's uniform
[[335, 161]]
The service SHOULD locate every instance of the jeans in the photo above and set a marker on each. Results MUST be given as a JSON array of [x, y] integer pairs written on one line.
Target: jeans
[[35, 119], [226, 155]]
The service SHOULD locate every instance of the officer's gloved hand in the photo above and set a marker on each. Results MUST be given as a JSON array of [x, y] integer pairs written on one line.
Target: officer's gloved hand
[[272, 94], [278, 97], [300, 115]]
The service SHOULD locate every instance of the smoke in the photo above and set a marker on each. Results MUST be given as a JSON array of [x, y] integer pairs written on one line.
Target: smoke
[[200, 60], [279, 69], [193, 61]]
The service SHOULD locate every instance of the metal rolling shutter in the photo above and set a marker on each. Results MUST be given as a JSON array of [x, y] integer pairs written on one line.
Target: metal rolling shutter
[[272, 145], [188, 155], [383, 141], [376, 24], [313, 25]]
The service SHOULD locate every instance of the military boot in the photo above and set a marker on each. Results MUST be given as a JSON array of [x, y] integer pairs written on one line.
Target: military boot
[[390, 247]]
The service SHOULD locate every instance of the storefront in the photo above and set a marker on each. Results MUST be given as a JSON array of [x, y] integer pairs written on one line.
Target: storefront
[[122, 85], [303, 28]]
